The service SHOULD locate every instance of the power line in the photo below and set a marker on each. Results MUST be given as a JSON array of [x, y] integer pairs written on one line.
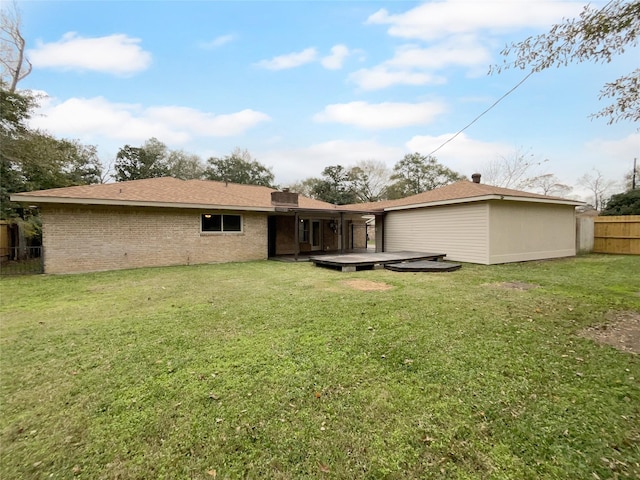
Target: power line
[[603, 9], [484, 112]]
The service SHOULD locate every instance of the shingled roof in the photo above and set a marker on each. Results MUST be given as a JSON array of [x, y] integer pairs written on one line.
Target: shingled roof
[[460, 192], [172, 192], [168, 192]]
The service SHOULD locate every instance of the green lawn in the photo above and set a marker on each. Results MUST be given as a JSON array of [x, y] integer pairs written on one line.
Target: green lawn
[[284, 370]]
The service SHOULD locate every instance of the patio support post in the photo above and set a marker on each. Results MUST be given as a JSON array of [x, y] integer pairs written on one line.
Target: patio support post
[[341, 232], [296, 236], [380, 233]]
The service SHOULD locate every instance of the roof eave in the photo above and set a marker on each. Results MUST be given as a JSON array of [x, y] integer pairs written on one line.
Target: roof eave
[[337, 209], [482, 198], [36, 199]]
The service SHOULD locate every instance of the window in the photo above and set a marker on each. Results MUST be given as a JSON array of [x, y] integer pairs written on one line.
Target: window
[[303, 231], [211, 222]]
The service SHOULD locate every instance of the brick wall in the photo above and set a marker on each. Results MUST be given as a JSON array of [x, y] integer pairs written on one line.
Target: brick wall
[[94, 238], [285, 238]]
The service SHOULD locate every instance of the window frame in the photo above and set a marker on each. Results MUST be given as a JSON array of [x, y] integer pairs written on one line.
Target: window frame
[[222, 231]]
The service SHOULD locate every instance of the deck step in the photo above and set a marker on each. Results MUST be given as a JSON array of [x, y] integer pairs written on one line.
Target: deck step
[[353, 262], [423, 266]]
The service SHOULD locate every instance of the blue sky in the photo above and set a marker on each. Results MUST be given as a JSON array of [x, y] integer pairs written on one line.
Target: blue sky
[[304, 85]]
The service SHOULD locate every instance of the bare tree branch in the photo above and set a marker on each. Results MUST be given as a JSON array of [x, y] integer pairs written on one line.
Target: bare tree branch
[[596, 35], [14, 63]]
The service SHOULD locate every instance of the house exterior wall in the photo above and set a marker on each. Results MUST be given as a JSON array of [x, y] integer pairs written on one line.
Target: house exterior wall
[[460, 231], [357, 234], [329, 237], [285, 236], [523, 231], [94, 238]]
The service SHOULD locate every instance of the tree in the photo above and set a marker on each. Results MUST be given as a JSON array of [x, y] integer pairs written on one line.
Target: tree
[[549, 184], [15, 110], [417, 173], [14, 63], [37, 161], [370, 180], [597, 35], [154, 159], [184, 166], [239, 167], [306, 187], [599, 186], [147, 161], [335, 186], [517, 171], [627, 203]]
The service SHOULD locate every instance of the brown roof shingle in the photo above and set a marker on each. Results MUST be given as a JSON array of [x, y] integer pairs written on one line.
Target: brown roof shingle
[[168, 191], [462, 190]]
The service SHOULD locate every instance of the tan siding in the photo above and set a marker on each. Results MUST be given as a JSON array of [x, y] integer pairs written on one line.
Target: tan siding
[[460, 231], [531, 231], [81, 239]]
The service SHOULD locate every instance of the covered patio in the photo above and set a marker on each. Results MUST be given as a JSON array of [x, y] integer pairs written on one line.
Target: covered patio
[[298, 234]]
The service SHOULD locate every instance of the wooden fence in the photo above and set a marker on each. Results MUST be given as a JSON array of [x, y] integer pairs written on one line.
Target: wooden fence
[[619, 234]]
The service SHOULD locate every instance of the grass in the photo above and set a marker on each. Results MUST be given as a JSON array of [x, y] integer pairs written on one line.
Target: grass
[[281, 370]]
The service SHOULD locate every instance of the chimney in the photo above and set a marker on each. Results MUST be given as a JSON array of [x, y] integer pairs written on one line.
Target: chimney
[[476, 177], [285, 197]]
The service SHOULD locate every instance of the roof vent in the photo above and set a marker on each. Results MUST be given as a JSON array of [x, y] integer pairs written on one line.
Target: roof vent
[[476, 177]]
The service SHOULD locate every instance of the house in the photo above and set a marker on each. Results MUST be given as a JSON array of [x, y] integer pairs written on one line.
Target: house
[[477, 223], [166, 221]]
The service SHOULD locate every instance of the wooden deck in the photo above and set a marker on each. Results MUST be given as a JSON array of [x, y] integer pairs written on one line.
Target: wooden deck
[[352, 262], [423, 266]]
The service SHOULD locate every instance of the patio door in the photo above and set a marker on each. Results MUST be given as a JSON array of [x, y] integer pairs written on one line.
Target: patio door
[[310, 234], [316, 235]]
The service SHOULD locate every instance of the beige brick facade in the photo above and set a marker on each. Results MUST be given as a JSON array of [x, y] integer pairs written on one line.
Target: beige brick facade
[[95, 238]]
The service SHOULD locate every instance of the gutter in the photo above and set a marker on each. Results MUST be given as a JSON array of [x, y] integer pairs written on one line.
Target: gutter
[[510, 198], [36, 199]]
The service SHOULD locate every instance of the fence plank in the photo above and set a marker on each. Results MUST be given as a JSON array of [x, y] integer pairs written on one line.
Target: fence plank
[[617, 234]]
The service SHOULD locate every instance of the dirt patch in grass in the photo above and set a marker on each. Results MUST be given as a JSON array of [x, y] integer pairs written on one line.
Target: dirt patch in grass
[[621, 330], [367, 285], [516, 285]]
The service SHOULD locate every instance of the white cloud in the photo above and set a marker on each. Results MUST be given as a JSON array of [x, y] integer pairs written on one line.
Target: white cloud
[[97, 118], [217, 42], [204, 123], [463, 154], [338, 55], [463, 51], [380, 115], [117, 54], [382, 76], [623, 148], [297, 164], [615, 154], [290, 60], [415, 65], [442, 18], [453, 30]]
